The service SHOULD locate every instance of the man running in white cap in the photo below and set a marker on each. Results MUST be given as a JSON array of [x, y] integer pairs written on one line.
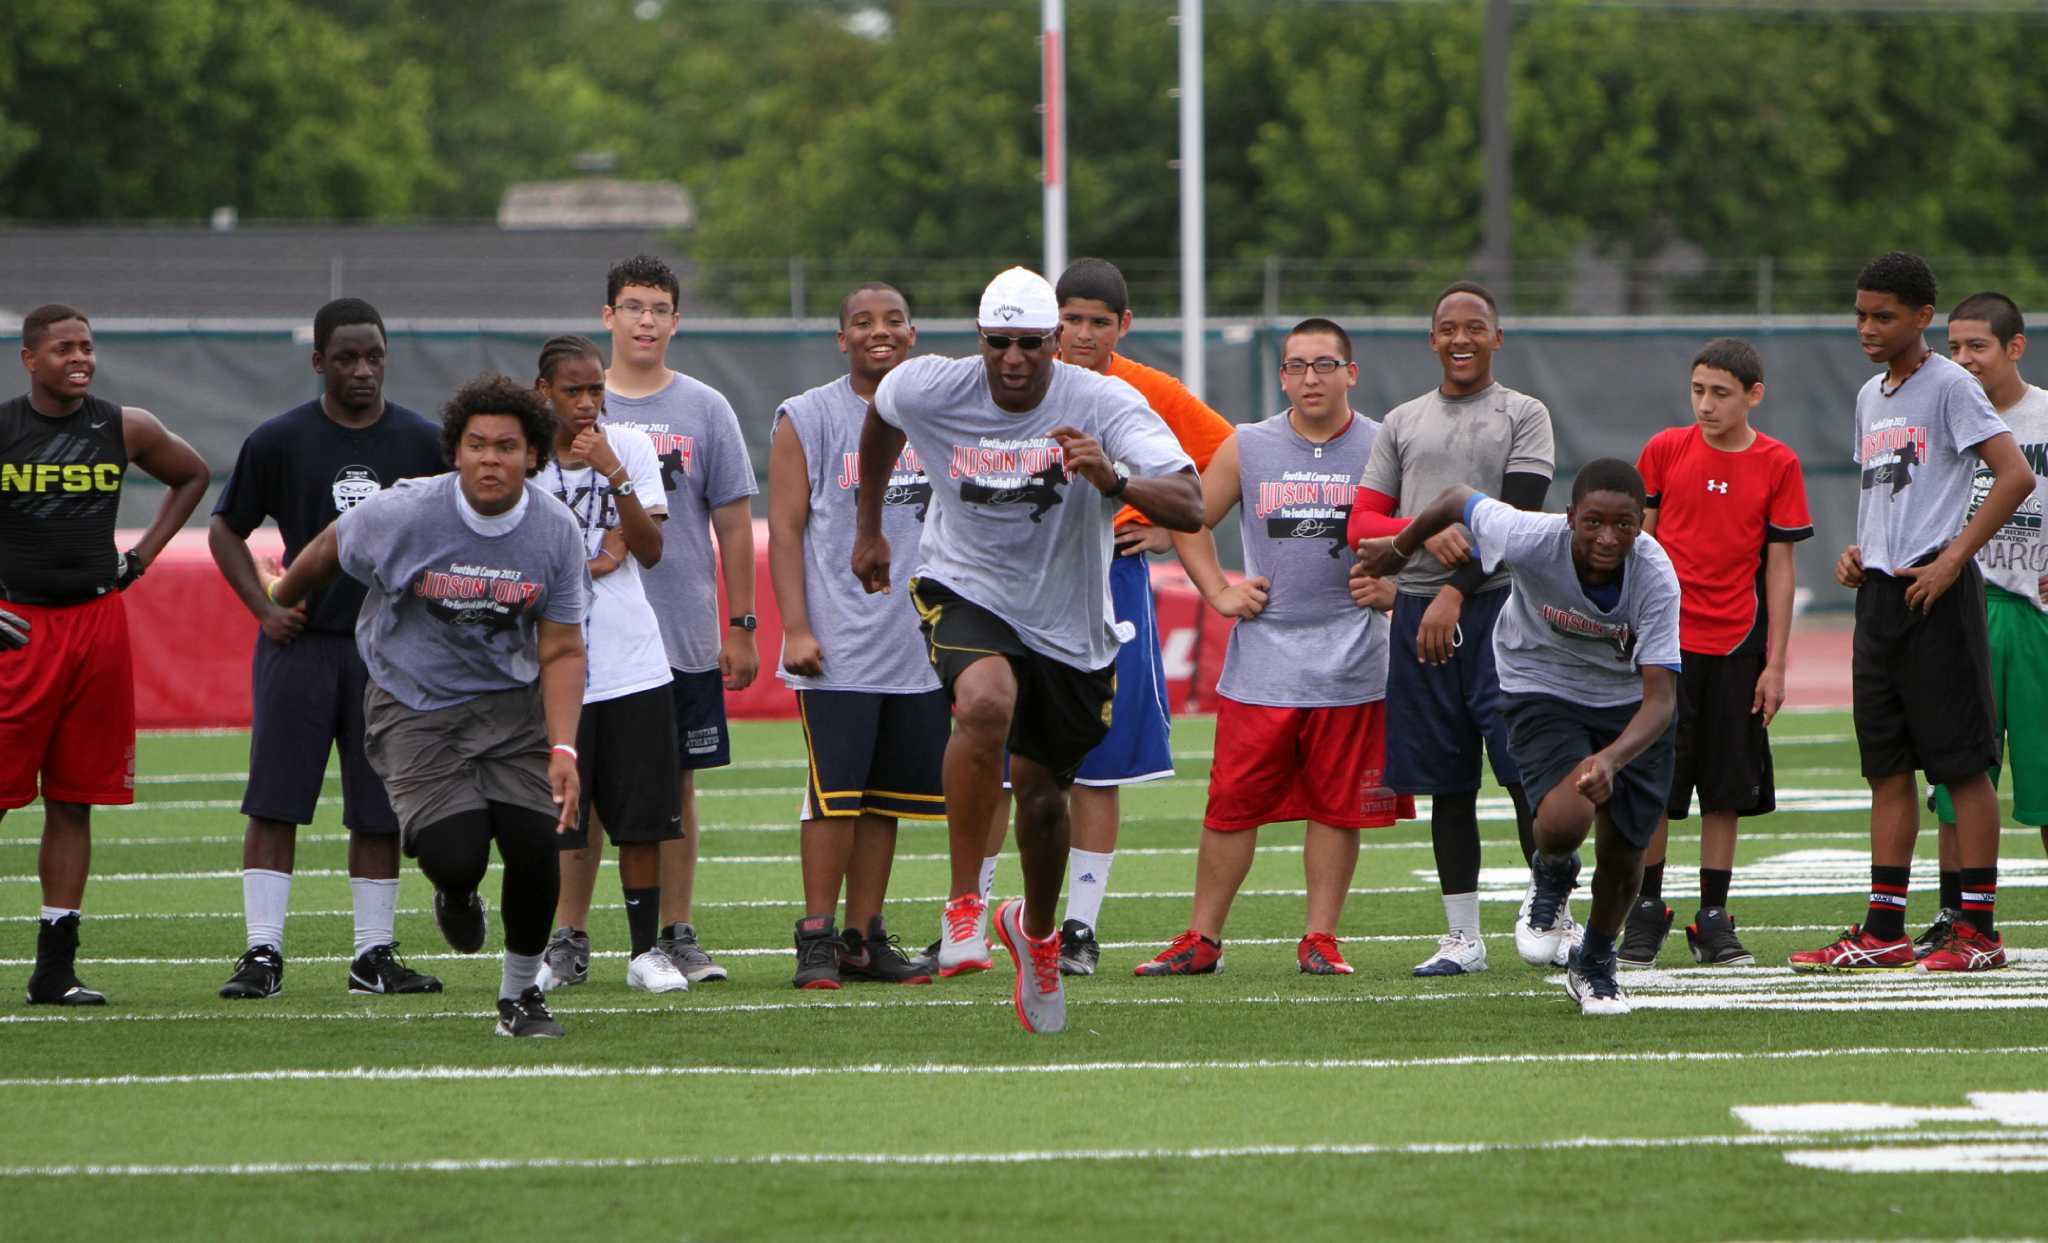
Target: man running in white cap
[[1012, 586]]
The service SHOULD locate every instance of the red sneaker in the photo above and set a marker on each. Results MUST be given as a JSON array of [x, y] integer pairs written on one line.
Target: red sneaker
[[1318, 955], [1190, 954], [1857, 950], [1965, 949]]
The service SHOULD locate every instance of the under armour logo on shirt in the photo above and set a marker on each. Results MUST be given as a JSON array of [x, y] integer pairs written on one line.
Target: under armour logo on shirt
[[1718, 485]]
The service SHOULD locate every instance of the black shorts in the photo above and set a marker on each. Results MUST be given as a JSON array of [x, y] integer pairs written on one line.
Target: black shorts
[[1552, 737], [308, 700], [1922, 681], [875, 753], [702, 739], [623, 747], [1723, 749], [1061, 711]]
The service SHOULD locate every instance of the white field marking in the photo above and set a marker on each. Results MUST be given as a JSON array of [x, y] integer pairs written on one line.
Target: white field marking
[[456, 1074], [2013, 1108], [932, 1159], [1848, 1116], [1942, 1158], [1792, 873]]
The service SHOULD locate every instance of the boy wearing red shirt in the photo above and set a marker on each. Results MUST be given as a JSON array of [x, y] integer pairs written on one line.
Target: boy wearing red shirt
[[1727, 503]]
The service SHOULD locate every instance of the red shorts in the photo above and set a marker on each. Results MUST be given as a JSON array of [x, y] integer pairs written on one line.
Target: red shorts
[[1322, 764], [67, 706]]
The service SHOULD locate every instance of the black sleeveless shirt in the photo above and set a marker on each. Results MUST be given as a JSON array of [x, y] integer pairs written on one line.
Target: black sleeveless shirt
[[60, 494]]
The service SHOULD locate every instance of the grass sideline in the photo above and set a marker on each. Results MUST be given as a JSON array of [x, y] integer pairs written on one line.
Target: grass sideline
[[1369, 1106]]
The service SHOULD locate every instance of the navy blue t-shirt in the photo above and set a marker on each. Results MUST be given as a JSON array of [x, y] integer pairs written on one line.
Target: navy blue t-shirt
[[303, 470]]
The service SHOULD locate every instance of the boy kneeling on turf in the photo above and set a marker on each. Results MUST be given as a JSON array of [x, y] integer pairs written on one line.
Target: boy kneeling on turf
[[1587, 649]]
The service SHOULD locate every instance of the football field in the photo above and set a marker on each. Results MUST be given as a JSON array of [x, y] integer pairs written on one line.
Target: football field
[[1740, 1103]]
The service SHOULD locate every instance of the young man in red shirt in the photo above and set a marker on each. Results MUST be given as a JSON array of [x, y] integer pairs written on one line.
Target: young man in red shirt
[[1727, 502]]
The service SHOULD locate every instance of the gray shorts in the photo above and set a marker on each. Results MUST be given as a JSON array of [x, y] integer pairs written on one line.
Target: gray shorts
[[492, 749]]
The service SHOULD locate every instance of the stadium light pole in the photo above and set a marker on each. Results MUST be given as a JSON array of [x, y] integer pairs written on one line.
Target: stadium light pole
[[1053, 63], [1193, 271]]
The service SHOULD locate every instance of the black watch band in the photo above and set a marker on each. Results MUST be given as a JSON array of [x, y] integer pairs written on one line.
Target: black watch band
[[1122, 481], [745, 621]]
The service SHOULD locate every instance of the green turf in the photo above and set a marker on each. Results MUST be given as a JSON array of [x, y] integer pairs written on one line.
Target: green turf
[[1370, 1106]]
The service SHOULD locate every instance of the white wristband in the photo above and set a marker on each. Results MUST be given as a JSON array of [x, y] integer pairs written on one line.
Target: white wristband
[[563, 746]]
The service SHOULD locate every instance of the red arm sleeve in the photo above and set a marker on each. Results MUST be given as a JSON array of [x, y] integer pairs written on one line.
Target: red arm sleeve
[[1372, 515]]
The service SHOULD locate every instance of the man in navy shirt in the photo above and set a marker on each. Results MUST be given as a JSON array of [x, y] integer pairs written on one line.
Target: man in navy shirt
[[304, 469]]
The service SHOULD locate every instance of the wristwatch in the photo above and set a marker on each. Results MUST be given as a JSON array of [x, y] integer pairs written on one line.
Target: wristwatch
[[622, 489], [745, 621]]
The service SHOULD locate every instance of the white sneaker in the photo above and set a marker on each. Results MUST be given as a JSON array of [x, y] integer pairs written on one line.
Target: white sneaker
[[656, 972], [1598, 992], [963, 937], [1040, 996], [1549, 946], [1457, 953], [1574, 936]]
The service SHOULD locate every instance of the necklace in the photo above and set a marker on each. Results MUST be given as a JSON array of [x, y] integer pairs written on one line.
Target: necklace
[[592, 517], [1893, 391]]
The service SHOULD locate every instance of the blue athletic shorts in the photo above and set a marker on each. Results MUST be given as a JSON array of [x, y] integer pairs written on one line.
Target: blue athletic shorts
[[308, 697], [702, 740], [1440, 716], [1138, 747]]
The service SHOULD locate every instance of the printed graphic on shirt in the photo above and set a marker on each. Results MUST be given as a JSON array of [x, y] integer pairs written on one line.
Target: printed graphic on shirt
[[908, 484], [353, 485], [1011, 472], [1888, 453], [465, 594], [1307, 505], [676, 452], [2018, 544], [1573, 624]]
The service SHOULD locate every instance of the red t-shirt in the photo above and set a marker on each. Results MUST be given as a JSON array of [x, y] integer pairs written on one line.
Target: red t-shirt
[[1715, 513]]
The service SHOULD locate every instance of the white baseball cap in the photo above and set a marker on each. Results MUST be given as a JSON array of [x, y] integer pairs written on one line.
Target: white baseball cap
[[1019, 300]]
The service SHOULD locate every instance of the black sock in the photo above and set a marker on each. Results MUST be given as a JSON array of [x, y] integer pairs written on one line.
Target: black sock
[[643, 915], [1951, 889], [1653, 884], [1980, 899], [1525, 821], [1454, 835], [1887, 918], [1714, 886], [1598, 946]]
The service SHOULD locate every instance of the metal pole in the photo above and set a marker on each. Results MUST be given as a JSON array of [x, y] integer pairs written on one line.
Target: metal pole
[[1193, 274], [1497, 138], [1053, 59]]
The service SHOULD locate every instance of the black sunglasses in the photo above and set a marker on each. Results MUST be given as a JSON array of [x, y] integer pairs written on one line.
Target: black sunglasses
[[997, 341]]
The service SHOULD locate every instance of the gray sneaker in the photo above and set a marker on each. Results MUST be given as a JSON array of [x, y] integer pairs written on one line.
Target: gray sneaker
[[1040, 996], [565, 961], [679, 942]]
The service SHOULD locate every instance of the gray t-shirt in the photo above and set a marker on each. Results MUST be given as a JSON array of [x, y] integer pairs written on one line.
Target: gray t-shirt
[[1008, 529], [1435, 442], [870, 643], [451, 612], [2016, 555], [1914, 451], [704, 465], [1552, 637], [1312, 647]]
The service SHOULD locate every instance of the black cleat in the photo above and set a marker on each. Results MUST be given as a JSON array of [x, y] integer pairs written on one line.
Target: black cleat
[[1078, 951], [1937, 933], [817, 953], [1712, 938], [1649, 922], [878, 957], [258, 973], [461, 921], [54, 982], [528, 1016], [381, 970]]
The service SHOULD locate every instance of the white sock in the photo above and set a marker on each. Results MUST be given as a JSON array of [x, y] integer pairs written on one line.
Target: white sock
[[1461, 913], [51, 914], [988, 887], [265, 895], [521, 970], [376, 903], [1087, 883]]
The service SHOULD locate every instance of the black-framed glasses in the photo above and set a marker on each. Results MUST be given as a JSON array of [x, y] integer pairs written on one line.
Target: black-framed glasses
[[1321, 366], [998, 341]]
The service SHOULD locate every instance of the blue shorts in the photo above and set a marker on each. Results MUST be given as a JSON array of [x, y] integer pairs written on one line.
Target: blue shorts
[[1138, 747], [1440, 716], [308, 697], [702, 740]]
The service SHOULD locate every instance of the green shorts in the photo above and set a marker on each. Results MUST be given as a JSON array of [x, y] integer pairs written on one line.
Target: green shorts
[[2019, 657]]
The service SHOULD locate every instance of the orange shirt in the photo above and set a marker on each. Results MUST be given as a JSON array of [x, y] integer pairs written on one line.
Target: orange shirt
[[1198, 428]]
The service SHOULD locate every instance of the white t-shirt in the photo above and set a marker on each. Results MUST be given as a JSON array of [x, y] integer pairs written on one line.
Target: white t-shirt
[[2016, 555], [1008, 528], [622, 636]]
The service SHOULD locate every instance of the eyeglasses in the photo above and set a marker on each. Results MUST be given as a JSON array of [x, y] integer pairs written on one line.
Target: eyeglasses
[[1322, 366], [999, 342], [634, 310]]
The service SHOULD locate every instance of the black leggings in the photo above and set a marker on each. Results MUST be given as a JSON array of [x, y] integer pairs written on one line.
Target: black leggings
[[1454, 834], [454, 853]]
